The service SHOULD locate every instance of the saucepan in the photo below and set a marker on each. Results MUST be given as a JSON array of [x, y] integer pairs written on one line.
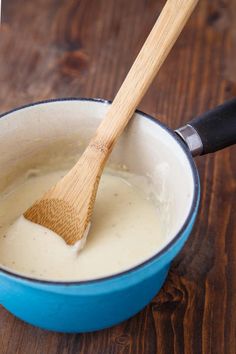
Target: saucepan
[[29, 133]]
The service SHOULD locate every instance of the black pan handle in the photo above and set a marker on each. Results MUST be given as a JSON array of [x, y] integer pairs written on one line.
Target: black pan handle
[[211, 131]]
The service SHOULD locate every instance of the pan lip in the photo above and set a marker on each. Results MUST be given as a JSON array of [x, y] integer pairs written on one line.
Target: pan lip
[[189, 219]]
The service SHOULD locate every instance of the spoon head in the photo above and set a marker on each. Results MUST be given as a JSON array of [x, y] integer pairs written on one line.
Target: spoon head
[[60, 217], [67, 207]]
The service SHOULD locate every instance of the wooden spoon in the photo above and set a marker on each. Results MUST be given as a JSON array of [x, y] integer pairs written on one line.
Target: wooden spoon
[[67, 207]]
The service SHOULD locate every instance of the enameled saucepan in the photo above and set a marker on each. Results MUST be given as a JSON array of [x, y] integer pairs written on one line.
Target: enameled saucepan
[[30, 133]]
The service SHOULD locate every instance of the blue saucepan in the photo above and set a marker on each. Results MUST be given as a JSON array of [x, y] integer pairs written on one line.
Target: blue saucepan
[[147, 146]]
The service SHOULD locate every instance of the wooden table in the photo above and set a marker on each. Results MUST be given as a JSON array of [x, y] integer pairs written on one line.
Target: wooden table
[[61, 48]]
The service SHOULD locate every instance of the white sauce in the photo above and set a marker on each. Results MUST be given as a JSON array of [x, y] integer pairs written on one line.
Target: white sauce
[[125, 230]]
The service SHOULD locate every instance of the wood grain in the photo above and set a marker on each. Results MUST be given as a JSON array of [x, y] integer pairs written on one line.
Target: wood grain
[[48, 49]]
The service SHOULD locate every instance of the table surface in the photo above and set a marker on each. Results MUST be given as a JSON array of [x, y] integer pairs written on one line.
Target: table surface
[[77, 48]]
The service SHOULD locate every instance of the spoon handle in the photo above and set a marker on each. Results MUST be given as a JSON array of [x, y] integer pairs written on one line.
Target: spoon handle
[[149, 60]]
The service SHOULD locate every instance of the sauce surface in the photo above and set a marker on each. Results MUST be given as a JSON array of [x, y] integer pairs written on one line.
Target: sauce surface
[[125, 230]]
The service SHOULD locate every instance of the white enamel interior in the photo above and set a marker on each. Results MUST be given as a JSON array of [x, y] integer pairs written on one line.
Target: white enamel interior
[[32, 135]]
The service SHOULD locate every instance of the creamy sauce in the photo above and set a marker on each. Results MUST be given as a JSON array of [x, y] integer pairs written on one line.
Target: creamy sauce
[[125, 230]]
